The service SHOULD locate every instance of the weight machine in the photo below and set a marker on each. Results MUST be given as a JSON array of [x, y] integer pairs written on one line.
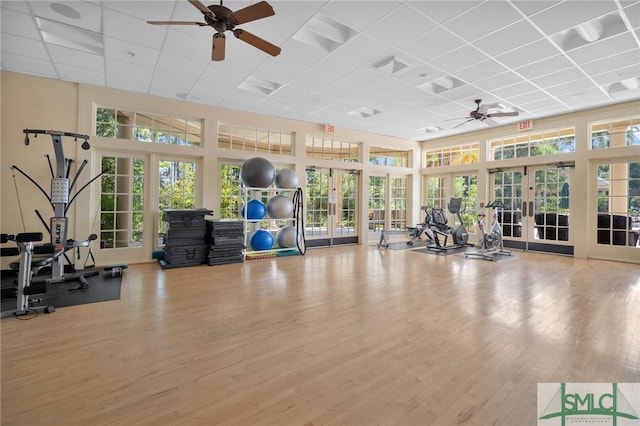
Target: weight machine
[[61, 199]]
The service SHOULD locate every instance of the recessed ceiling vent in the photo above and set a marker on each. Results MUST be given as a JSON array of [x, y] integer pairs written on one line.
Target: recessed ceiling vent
[[441, 84], [324, 33], [590, 32], [65, 35], [391, 65], [364, 112], [261, 87]]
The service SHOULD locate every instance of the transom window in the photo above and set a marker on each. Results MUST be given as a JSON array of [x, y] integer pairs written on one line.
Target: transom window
[[388, 157], [614, 133], [534, 144], [461, 154], [328, 149], [242, 138], [148, 127]]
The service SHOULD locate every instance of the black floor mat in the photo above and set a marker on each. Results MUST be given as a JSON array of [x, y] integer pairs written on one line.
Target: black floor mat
[[102, 287]]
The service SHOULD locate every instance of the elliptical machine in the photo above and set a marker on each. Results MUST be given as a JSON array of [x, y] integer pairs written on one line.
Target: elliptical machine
[[438, 227]]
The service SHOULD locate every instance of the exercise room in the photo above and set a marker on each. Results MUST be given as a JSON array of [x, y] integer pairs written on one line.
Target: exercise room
[[320, 212]]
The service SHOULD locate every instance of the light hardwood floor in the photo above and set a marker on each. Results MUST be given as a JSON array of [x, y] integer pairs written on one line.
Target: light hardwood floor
[[351, 335]]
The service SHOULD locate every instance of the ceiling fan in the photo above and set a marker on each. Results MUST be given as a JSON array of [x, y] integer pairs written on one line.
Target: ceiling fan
[[223, 19], [482, 113]]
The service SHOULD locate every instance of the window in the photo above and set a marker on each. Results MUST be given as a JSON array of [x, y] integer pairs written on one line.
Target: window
[[398, 203], [230, 197], [388, 157], [461, 154], [466, 187], [435, 192], [317, 193], [176, 190], [534, 144], [121, 202], [618, 207], [614, 133], [148, 127], [241, 138], [377, 195], [327, 149]]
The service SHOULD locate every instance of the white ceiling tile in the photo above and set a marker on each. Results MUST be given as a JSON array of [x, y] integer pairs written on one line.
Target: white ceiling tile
[[442, 11], [480, 71], [570, 13], [571, 87], [545, 66], [129, 84], [18, 24], [170, 84], [620, 60], [484, 19], [292, 94], [294, 59], [618, 75], [560, 77], [432, 44], [529, 7], [89, 14], [76, 58], [242, 99], [358, 50], [514, 90], [527, 98], [74, 74], [189, 68], [14, 5], [128, 28], [116, 68], [527, 54], [585, 96], [459, 59], [23, 46], [632, 13], [324, 73], [196, 45], [499, 80], [610, 46], [122, 50], [406, 23], [27, 65], [512, 37], [358, 15], [419, 74], [147, 10]]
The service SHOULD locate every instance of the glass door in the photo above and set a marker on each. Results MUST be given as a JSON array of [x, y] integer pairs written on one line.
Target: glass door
[[331, 207], [536, 207]]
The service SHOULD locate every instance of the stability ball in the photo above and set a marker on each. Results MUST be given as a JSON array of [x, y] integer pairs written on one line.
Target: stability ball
[[257, 172], [286, 179], [255, 210], [279, 207], [287, 237], [261, 240]]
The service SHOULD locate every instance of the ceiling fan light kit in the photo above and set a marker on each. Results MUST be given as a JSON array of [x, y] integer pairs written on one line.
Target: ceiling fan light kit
[[222, 19]]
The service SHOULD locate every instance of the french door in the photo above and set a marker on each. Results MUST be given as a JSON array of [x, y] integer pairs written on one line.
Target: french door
[[536, 214], [331, 207]]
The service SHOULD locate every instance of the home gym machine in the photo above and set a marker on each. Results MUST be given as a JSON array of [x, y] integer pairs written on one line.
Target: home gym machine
[[27, 267], [60, 199], [438, 227], [490, 239]]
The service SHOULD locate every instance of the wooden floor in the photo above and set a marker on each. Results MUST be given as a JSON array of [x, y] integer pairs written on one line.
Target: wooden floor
[[352, 336]]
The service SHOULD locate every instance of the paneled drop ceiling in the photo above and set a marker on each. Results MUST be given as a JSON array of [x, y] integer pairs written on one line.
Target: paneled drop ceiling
[[410, 69]]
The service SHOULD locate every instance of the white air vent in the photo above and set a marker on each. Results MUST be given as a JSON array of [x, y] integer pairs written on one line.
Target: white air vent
[[391, 65], [256, 85], [624, 85], [590, 32], [441, 84], [65, 35], [364, 112], [324, 33]]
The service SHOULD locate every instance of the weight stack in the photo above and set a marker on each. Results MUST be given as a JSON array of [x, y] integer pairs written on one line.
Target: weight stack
[[226, 241], [185, 239]]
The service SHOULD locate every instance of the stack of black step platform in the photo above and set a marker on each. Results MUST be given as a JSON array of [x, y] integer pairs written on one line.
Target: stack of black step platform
[[226, 241], [185, 243]]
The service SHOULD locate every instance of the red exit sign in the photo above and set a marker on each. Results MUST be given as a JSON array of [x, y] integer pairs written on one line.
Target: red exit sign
[[525, 125], [329, 128]]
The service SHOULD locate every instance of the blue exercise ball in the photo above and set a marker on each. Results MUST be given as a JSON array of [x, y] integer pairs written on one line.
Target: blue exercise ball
[[261, 240], [286, 179], [288, 237], [280, 207], [255, 210], [257, 172]]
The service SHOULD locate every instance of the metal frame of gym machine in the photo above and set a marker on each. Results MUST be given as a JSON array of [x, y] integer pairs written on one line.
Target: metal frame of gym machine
[[60, 201]]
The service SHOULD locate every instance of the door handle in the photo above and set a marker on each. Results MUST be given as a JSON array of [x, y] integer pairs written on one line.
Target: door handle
[[524, 209], [530, 208]]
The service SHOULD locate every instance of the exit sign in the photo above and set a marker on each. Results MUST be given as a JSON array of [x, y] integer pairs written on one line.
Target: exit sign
[[525, 125], [329, 128]]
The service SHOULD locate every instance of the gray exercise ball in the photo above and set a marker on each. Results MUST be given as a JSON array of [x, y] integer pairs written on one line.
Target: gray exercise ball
[[257, 172], [286, 179], [280, 207], [287, 237]]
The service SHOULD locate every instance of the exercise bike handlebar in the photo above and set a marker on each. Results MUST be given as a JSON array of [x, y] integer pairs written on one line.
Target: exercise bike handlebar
[[496, 204]]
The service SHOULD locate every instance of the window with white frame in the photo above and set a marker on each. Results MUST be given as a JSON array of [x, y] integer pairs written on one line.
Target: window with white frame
[[615, 133], [533, 144], [252, 139]]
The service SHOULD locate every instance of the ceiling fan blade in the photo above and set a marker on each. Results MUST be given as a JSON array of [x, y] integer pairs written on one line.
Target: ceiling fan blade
[[251, 13], [217, 51], [256, 41], [202, 24], [466, 121], [504, 114], [204, 9]]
